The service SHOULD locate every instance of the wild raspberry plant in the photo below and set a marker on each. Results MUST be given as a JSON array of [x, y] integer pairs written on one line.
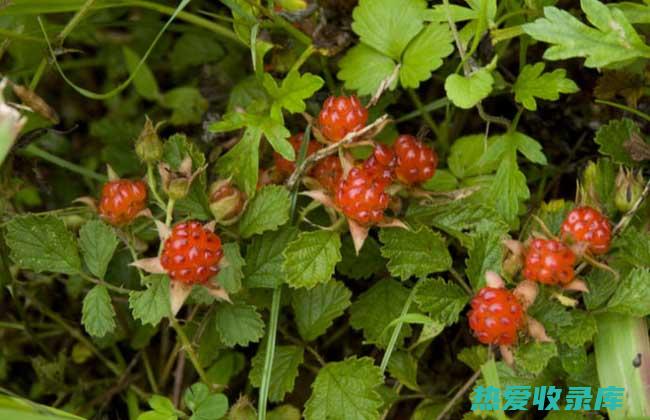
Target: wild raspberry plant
[[449, 211]]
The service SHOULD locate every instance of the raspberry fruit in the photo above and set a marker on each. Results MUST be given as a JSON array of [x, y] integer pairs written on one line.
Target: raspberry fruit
[[341, 115], [191, 253], [328, 172], [589, 226], [496, 316], [416, 162], [381, 164], [549, 262], [286, 167], [121, 201], [361, 197]]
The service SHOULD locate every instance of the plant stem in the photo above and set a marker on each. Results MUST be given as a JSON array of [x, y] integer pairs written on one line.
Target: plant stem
[[153, 186], [109, 286], [393, 338], [149, 371], [431, 106], [270, 353], [35, 151], [425, 114], [189, 350]]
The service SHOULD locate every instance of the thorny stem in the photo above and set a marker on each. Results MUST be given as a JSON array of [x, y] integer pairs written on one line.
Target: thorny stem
[[376, 126]]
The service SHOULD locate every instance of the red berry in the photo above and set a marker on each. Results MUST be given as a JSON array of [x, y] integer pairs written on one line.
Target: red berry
[[416, 162], [496, 316], [588, 225], [361, 197], [121, 200], [381, 164], [286, 167], [341, 115], [191, 253], [549, 262], [328, 172]]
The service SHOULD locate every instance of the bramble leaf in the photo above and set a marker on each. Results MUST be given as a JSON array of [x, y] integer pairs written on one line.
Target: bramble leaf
[[315, 309], [203, 404], [364, 68], [293, 90], [531, 84], [404, 367], [533, 357], [97, 313], [466, 92], [442, 300], [311, 258], [612, 138], [268, 210], [265, 258], [187, 105], [241, 162], [425, 53], [42, 244], [632, 297], [485, 254], [153, 304], [144, 81], [238, 324], [98, 242], [231, 275], [346, 390], [286, 361], [364, 265], [418, 253]]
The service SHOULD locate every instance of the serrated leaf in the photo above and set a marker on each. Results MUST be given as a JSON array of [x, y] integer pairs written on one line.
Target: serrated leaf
[[268, 210], [388, 26], [418, 253], [152, 304], [531, 84], [311, 258], [404, 367], [231, 275], [474, 356], [316, 309], [362, 266], [612, 138], [203, 404], [241, 162], [632, 297], [376, 308], [533, 357], [485, 254], [346, 390], [581, 329], [443, 300], [286, 361], [553, 316], [144, 80], [509, 188], [42, 244], [425, 53], [465, 156], [573, 359], [293, 90], [97, 313], [602, 285], [187, 104], [466, 92], [238, 324], [364, 68], [265, 258], [634, 246], [98, 242], [611, 40]]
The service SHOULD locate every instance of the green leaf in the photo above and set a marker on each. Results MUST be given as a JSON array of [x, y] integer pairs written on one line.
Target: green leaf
[[531, 84], [265, 258], [581, 329], [485, 254], [388, 26], [231, 275], [286, 411], [509, 188], [474, 356], [376, 308], [203, 404], [42, 244], [152, 304], [194, 49], [634, 246], [533, 357], [268, 210], [363, 68], [277, 134], [632, 297], [316, 309], [346, 390], [466, 92], [425, 53], [293, 91], [98, 242], [602, 284], [573, 359], [362, 266], [311, 258], [187, 104], [443, 300], [144, 80], [414, 253], [163, 409], [465, 157], [612, 139], [241, 162], [97, 313], [286, 360], [404, 367], [611, 40], [238, 324]]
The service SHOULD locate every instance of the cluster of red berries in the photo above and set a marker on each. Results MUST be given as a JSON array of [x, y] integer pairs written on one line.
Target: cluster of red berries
[[551, 262], [497, 315]]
